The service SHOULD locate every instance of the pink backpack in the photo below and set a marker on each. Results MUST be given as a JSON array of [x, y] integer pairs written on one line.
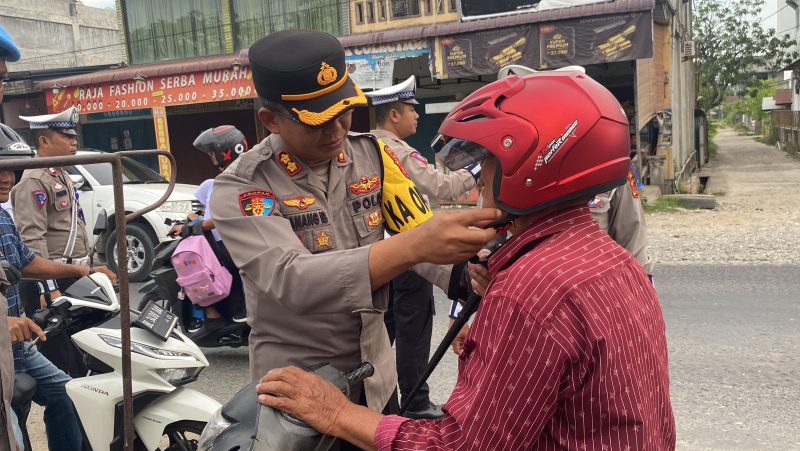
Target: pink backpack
[[199, 272]]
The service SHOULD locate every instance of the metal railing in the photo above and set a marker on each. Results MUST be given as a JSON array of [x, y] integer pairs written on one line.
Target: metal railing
[[122, 249]]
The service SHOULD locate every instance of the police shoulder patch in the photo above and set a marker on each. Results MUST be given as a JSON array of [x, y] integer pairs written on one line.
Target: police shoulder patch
[[418, 156], [40, 197], [257, 203], [632, 182]]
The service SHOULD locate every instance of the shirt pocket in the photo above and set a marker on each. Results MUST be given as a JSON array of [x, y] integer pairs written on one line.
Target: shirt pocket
[[61, 200], [369, 223]]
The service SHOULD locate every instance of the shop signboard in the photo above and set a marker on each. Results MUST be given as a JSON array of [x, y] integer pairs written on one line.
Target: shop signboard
[[162, 138], [150, 92], [485, 52], [596, 39], [372, 67]]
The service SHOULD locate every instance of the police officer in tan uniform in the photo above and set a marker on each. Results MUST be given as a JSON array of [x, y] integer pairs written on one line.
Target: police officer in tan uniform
[[50, 221], [411, 308], [303, 216]]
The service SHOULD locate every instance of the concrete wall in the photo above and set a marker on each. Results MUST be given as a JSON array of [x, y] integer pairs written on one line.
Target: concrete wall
[[684, 93], [788, 19], [60, 33]]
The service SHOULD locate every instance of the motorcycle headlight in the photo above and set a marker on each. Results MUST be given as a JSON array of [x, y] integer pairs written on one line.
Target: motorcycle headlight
[[177, 206], [147, 350], [215, 426], [179, 376]]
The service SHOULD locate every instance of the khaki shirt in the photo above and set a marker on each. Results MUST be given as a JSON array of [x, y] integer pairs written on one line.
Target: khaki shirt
[[302, 250], [619, 212], [425, 176], [43, 201], [7, 441]]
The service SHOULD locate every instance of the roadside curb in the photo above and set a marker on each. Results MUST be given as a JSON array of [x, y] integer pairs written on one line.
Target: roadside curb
[[703, 201]]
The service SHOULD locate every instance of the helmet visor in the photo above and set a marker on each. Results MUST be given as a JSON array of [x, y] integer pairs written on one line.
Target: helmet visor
[[458, 153]]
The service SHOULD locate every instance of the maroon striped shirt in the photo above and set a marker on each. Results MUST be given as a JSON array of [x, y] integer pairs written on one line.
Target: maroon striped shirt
[[567, 351]]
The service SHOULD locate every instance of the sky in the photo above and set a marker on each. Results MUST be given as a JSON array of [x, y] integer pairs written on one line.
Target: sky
[[100, 3]]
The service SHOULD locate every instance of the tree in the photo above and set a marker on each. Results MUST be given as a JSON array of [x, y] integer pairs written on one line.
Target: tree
[[733, 47]]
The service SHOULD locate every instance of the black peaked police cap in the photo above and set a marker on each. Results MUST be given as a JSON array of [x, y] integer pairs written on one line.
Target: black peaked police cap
[[304, 71]]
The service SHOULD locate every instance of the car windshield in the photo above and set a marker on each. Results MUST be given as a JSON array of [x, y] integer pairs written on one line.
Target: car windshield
[[133, 172]]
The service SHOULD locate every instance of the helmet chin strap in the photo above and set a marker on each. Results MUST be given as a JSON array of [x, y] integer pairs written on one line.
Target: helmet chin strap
[[502, 223]]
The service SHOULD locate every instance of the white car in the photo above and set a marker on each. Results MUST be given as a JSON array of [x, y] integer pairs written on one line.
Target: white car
[[142, 187]]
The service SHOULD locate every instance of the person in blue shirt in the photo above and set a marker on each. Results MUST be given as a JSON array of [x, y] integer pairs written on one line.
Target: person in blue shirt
[[63, 432]]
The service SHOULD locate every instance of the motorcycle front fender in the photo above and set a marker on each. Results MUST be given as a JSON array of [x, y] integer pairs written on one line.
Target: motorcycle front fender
[[182, 404]]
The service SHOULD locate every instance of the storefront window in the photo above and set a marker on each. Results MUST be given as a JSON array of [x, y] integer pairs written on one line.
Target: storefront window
[[159, 30], [254, 19]]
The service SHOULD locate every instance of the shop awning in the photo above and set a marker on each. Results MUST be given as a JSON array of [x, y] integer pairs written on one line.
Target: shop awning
[[123, 73]]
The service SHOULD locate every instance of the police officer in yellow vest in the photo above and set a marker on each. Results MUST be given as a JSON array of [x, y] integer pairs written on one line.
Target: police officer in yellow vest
[[410, 315], [50, 220], [303, 216]]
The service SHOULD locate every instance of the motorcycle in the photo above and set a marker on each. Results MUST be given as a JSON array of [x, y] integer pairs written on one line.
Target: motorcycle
[[163, 289], [243, 424], [163, 361]]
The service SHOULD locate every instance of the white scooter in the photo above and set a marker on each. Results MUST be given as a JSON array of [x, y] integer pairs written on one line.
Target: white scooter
[[166, 414]]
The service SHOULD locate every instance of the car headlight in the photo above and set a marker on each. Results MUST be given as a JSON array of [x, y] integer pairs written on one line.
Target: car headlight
[[215, 426], [177, 206]]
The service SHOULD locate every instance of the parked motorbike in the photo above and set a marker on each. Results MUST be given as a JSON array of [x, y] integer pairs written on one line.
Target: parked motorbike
[[166, 414], [244, 424], [163, 289]]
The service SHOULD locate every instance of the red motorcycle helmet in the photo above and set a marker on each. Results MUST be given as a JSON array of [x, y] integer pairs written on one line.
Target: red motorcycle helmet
[[557, 136]]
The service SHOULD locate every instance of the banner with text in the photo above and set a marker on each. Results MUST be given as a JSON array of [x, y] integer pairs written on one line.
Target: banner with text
[[597, 39], [180, 89], [372, 67], [484, 52], [162, 138]]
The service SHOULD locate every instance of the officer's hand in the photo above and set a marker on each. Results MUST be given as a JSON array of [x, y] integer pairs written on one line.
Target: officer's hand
[[23, 329], [479, 278], [304, 395], [458, 342], [106, 271], [55, 294], [453, 237]]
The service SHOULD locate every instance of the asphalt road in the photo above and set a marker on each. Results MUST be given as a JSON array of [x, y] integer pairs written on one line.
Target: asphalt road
[[733, 335]]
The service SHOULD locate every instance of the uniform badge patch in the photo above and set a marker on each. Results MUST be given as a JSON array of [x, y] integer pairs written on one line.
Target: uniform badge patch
[[64, 203], [594, 203], [418, 156], [326, 75], [374, 219], [395, 159], [323, 240], [288, 162], [58, 186], [365, 185], [52, 171], [342, 158], [40, 197], [257, 203], [634, 188], [299, 202]]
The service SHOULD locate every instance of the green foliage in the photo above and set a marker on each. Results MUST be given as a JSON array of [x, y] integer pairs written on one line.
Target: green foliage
[[732, 46], [662, 205], [750, 103]]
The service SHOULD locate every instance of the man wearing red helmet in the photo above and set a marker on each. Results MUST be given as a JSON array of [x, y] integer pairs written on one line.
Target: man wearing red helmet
[[568, 348]]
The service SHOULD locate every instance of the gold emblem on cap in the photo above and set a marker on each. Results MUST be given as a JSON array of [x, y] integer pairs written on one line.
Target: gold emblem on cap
[[326, 75]]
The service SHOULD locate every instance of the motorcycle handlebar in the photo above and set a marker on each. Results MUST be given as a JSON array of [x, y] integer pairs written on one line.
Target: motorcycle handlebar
[[359, 374]]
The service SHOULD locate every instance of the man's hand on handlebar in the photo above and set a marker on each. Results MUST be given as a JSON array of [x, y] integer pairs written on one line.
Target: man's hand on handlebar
[[23, 329], [106, 271]]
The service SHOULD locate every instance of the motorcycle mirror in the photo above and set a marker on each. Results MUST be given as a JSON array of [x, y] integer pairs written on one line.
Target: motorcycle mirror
[[77, 181], [101, 223], [12, 273]]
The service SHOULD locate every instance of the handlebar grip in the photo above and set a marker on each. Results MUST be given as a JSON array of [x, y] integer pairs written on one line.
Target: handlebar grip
[[359, 374]]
